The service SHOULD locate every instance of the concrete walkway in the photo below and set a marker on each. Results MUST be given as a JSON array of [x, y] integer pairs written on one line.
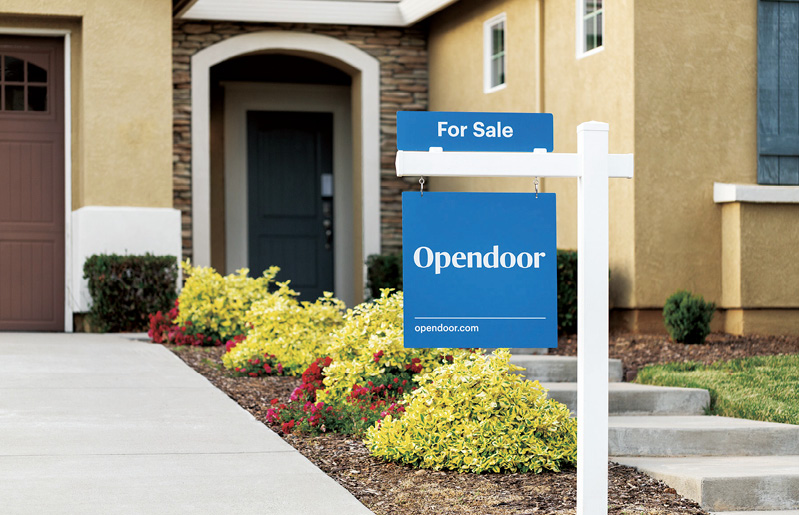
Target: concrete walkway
[[103, 424]]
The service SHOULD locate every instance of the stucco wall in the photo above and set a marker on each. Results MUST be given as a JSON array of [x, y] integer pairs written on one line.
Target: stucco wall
[[121, 107], [456, 72], [596, 87], [544, 75], [760, 266], [695, 103]]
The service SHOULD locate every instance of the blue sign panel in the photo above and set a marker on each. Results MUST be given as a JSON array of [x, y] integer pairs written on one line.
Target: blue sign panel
[[474, 132], [479, 270]]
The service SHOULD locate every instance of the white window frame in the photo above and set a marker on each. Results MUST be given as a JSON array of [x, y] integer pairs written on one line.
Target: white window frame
[[488, 27], [580, 21]]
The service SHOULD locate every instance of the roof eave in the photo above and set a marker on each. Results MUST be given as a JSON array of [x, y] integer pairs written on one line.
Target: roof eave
[[394, 14]]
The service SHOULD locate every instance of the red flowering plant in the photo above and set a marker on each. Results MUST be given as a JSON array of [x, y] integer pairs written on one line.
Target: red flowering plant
[[303, 414], [160, 324], [164, 329], [360, 409], [255, 367]]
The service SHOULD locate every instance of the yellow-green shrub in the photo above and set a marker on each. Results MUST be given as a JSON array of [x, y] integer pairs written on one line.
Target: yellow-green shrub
[[476, 416], [296, 333], [214, 306], [370, 344]]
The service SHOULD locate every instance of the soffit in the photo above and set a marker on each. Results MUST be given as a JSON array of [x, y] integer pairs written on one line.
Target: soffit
[[393, 13]]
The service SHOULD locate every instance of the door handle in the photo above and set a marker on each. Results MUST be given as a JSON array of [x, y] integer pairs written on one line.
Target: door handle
[[328, 225]]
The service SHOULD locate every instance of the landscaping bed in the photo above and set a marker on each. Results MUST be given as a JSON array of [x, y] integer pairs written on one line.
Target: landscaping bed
[[388, 488], [638, 350]]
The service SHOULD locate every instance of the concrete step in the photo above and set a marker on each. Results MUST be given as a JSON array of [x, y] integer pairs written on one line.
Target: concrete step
[[526, 351], [639, 399], [700, 436], [558, 369], [728, 483], [768, 512]]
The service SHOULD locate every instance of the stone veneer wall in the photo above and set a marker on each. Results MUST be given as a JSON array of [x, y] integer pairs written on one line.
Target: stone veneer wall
[[402, 53]]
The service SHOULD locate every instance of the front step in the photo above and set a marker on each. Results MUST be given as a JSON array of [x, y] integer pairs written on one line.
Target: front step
[[558, 369], [700, 436], [728, 483], [639, 399]]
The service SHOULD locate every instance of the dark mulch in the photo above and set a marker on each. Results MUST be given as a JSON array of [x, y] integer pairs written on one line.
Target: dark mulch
[[638, 350], [390, 489]]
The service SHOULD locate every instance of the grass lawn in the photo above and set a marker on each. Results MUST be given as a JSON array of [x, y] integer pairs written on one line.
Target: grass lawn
[[756, 388]]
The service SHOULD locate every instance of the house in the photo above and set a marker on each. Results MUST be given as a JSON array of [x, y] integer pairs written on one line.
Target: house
[[313, 86], [705, 94]]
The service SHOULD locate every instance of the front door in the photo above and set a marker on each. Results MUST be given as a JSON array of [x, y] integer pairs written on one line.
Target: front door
[[290, 197], [31, 184]]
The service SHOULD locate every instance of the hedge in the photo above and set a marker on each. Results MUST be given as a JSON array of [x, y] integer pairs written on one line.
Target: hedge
[[125, 289]]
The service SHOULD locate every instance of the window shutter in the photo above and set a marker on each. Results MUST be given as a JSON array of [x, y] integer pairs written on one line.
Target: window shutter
[[778, 92]]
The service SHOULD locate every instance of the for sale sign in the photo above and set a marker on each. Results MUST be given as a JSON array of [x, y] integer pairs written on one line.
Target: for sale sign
[[474, 132], [479, 270]]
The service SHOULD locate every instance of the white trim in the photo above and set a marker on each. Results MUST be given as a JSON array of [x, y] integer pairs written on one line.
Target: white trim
[[365, 70], [756, 193], [67, 35], [488, 26], [241, 97], [579, 47], [380, 13], [591, 52], [68, 294]]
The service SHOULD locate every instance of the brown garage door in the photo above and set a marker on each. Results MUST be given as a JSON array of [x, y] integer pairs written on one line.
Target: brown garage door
[[31, 184]]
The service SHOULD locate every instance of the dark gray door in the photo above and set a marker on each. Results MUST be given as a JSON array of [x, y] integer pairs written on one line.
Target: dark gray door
[[290, 213], [778, 92]]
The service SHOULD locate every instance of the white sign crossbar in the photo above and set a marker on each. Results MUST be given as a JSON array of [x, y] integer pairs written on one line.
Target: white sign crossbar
[[502, 164]]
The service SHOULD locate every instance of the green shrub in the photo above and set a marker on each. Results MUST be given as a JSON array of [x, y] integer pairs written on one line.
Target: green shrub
[[212, 307], [295, 333], [126, 289], [687, 317], [370, 345], [567, 291], [383, 271], [475, 415]]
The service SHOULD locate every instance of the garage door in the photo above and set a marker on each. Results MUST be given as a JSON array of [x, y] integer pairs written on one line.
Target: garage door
[[31, 184]]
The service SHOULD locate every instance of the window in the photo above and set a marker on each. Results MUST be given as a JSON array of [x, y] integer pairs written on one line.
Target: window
[[494, 53], [590, 26], [23, 85]]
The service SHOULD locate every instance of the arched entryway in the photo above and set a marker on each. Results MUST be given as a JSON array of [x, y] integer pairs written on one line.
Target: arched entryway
[[345, 118]]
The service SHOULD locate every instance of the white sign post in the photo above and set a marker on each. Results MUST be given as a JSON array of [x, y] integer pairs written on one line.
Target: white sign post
[[592, 165]]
